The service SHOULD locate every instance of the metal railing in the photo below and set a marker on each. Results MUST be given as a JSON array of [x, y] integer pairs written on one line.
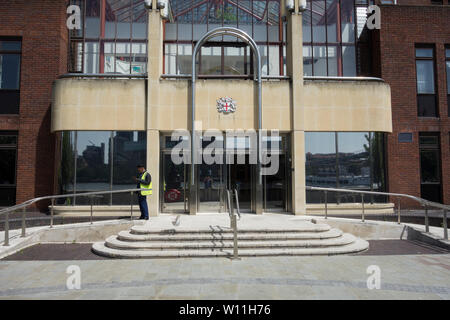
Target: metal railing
[[425, 203], [233, 220], [90, 195]]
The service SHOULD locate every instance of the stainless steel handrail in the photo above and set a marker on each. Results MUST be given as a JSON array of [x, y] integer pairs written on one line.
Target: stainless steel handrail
[[425, 203], [27, 203], [233, 225]]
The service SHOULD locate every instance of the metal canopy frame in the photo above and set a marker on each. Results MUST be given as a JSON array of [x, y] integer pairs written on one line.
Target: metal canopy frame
[[225, 31]]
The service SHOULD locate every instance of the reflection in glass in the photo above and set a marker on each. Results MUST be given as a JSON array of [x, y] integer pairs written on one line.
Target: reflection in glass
[[425, 76], [9, 71], [86, 158], [353, 160]]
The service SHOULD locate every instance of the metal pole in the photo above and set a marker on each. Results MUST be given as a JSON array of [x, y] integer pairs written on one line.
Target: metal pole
[[51, 213], [91, 209], [398, 210], [131, 206], [445, 225], [427, 225], [6, 229], [362, 200], [23, 223], [235, 239], [326, 204]]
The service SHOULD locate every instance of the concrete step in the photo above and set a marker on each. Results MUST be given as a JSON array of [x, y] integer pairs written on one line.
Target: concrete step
[[356, 246], [242, 236], [261, 243], [306, 227]]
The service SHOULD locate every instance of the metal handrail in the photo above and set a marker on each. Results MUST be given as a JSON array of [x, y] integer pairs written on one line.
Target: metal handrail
[[233, 224], [24, 205], [425, 203]]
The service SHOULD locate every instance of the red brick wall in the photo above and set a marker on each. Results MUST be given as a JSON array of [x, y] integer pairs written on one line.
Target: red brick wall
[[41, 24], [401, 28]]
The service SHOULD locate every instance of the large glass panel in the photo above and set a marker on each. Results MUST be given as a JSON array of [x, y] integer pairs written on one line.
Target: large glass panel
[[425, 76], [320, 167], [211, 61], [139, 20], [320, 61], [91, 58], [7, 166], [306, 22], [66, 176], [348, 21], [332, 19], [92, 19], [235, 60], [318, 21], [128, 150], [10, 71], [349, 61], [333, 52], [93, 170], [307, 61], [354, 163]]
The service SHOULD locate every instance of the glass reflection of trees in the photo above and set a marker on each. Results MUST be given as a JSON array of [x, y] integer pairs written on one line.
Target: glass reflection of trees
[[352, 160]]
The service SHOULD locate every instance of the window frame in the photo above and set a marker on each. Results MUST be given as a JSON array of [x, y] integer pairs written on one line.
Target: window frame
[[17, 52], [435, 84]]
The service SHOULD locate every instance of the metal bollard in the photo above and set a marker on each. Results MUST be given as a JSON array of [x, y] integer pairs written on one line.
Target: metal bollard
[[362, 201], [23, 223], [427, 225], [51, 213], [398, 211], [326, 204], [445, 225], [6, 229]]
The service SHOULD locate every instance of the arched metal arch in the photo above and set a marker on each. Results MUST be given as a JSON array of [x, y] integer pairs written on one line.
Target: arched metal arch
[[230, 31]]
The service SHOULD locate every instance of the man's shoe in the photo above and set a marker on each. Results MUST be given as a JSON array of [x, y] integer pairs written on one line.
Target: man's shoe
[[146, 218], [141, 218]]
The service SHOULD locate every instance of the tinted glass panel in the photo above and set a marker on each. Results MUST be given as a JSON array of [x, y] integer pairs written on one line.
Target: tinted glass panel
[[93, 164], [9, 71], [10, 45], [429, 165], [67, 166], [354, 165], [349, 61], [424, 53], [129, 150], [425, 76], [427, 106]]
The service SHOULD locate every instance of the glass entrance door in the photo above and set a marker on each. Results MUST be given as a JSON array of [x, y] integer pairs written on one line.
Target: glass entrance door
[[174, 186], [241, 178]]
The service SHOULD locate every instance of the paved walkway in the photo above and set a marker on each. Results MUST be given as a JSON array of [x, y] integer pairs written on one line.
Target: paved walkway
[[337, 277]]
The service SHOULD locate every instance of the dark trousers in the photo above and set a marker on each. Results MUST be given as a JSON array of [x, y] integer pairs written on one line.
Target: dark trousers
[[143, 206]]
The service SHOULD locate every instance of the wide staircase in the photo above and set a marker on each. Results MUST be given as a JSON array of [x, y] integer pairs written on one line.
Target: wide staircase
[[305, 238]]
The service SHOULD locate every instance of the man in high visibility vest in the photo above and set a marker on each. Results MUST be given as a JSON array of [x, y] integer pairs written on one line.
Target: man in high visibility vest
[[144, 181]]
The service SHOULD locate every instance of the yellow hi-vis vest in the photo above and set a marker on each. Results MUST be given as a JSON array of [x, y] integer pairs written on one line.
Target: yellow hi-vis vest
[[145, 186]]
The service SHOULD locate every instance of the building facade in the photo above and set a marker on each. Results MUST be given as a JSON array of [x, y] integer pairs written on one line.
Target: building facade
[[128, 91]]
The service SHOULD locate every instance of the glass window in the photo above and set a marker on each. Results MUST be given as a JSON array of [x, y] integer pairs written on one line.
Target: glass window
[[93, 170], [352, 160], [348, 21], [425, 76], [129, 148], [10, 60], [320, 166], [9, 71], [125, 24], [349, 61], [320, 61], [426, 97], [354, 165], [86, 158], [191, 20], [318, 21]]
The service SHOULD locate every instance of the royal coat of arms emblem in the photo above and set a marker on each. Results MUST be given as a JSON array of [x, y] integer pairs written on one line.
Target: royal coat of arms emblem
[[226, 105]]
